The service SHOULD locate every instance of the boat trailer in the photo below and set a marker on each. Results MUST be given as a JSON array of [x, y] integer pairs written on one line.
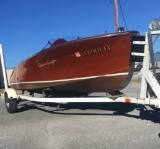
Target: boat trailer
[[149, 89]]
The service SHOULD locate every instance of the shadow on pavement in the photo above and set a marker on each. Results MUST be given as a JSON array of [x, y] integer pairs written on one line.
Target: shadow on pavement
[[117, 109]]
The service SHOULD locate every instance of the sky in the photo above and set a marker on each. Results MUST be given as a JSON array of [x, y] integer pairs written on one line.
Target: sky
[[27, 25]]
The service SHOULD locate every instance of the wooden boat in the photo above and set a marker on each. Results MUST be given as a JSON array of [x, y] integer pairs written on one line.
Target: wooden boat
[[95, 64]]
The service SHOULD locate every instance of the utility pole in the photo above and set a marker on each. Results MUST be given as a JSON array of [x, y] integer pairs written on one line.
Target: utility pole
[[116, 15]]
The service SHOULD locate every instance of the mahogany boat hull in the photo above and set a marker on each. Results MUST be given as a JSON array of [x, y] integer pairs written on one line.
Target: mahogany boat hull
[[95, 64]]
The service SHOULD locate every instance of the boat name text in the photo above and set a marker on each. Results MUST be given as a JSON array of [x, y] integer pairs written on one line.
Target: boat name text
[[48, 62], [94, 51]]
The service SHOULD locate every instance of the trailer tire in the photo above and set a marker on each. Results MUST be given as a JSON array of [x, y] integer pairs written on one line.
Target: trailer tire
[[11, 104]]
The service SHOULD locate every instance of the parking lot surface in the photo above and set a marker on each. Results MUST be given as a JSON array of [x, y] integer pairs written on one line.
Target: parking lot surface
[[81, 125]]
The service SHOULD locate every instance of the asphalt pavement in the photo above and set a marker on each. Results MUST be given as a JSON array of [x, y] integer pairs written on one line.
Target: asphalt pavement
[[81, 125]]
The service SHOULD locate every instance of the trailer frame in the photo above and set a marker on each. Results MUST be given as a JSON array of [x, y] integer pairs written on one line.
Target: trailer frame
[[149, 96]]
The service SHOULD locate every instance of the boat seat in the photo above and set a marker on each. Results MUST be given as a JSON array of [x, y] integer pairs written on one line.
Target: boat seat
[[58, 41]]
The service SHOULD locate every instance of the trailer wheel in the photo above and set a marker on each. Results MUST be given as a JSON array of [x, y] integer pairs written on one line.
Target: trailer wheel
[[11, 104]]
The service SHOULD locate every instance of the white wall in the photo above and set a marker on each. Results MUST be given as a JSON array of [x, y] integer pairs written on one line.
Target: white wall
[[158, 64], [9, 72]]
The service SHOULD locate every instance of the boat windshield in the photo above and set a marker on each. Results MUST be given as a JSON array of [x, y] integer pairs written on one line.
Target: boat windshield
[[55, 42], [59, 41]]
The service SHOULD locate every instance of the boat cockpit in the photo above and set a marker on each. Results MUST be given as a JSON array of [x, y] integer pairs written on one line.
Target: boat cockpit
[[59, 41]]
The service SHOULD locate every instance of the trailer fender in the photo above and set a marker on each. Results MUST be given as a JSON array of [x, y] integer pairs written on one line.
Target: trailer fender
[[11, 93]]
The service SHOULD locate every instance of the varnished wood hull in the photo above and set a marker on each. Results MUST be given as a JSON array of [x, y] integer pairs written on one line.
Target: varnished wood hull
[[95, 64]]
